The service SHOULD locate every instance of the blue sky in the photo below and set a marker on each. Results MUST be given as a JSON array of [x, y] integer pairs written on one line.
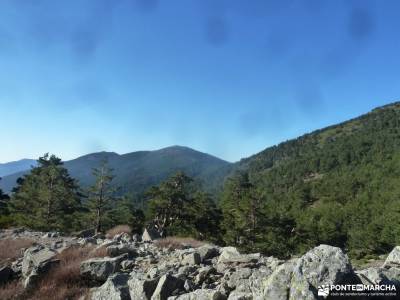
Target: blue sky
[[222, 76]]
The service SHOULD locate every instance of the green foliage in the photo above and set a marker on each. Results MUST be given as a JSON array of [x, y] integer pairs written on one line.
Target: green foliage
[[177, 207], [204, 217], [47, 198], [3, 203], [242, 208], [250, 222], [338, 186], [101, 196], [5, 218], [124, 211]]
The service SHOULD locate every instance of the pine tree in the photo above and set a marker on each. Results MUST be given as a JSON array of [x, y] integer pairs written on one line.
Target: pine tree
[[168, 203], [205, 217], [242, 211], [47, 197], [3, 201], [124, 211], [101, 195], [5, 219]]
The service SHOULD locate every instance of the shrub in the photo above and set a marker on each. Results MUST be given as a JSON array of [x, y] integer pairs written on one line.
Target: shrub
[[178, 243], [11, 249], [64, 281], [117, 230]]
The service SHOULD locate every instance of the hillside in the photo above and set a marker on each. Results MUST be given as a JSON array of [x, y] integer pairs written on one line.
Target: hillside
[[339, 185], [135, 172], [16, 166]]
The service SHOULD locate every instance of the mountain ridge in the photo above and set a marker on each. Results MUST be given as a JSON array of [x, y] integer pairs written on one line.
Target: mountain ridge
[[12, 167], [141, 169]]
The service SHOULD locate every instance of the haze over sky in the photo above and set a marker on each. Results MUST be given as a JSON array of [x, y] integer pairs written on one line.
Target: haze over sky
[[225, 77]]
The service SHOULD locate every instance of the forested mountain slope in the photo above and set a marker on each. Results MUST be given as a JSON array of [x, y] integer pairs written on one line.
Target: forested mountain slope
[[339, 185]]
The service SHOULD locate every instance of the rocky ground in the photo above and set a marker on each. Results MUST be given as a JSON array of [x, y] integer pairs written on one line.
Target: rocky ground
[[137, 270]]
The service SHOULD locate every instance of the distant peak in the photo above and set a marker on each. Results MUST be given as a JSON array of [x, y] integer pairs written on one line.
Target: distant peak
[[100, 154], [178, 147]]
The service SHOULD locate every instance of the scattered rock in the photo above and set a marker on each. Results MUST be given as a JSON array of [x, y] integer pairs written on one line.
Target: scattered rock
[[16, 266], [150, 235], [136, 238], [204, 273], [227, 253], [127, 264], [142, 271], [86, 241], [200, 295], [123, 237], [192, 259], [207, 252], [240, 276], [371, 276], [117, 250], [86, 233], [393, 276], [51, 235], [140, 287], [115, 288], [322, 265], [277, 286], [166, 286], [37, 261], [98, 269], [37, 257], [230, 255], [393, 259], [235, 295]]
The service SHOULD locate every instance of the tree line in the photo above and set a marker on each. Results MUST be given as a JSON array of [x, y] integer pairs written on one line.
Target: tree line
[[337, 186], [49, 199]]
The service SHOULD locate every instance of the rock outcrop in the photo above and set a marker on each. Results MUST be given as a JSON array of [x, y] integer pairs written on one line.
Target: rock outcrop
[[99, 269], [388, 273], [37, 261], [393, 259], [115, 288]]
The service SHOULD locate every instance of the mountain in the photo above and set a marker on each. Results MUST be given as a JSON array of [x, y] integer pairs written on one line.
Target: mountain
[[16, 166], [339, 185], [135, 172]]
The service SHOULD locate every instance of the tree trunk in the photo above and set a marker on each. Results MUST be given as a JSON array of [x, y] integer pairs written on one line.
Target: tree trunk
[[98, 221], [49, 202]]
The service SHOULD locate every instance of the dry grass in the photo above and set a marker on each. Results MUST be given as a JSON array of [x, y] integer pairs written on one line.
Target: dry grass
[[99, 252], [178, 243], [11, 249], [64, 281], [11, 290], [117, 230]]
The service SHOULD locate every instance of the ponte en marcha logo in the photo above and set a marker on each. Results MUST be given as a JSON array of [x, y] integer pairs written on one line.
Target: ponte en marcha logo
[[357, 290]]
